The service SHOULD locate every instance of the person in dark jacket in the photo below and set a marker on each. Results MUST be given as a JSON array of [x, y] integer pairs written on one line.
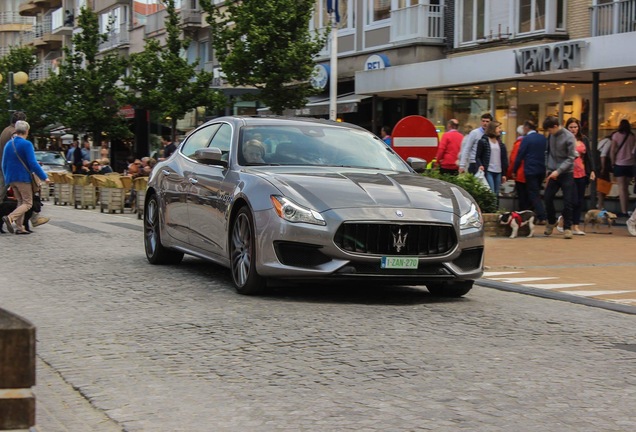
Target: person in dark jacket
[[532, 154], [492, 157]]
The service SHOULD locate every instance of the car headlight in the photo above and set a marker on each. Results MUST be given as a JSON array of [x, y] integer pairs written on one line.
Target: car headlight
[[292, 212], [471, 219]]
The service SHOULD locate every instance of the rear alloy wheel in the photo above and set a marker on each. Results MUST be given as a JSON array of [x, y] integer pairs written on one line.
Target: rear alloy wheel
[[155, 251], [450, 289], [243, 255]]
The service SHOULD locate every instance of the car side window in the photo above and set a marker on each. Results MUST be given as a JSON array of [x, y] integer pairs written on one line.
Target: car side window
[[198, 139], [223, 138]]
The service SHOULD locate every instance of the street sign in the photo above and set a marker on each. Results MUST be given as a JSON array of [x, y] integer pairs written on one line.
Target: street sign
[[415, 136]]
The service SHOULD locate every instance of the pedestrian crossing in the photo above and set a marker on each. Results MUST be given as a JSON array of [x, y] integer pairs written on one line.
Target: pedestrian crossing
[[627, 297]]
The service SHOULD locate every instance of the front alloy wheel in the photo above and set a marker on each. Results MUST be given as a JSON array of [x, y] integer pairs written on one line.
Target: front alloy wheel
[[243, 255]]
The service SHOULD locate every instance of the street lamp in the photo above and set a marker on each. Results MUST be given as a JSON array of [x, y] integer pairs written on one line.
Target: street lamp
[[14, 79]]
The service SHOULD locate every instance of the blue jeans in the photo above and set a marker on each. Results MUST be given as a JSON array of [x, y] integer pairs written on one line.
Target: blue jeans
[[494, 181], [565, 182], [533, 183]]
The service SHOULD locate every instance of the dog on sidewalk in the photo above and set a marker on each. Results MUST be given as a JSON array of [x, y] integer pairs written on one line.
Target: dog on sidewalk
[[517, 220], [596, 218]]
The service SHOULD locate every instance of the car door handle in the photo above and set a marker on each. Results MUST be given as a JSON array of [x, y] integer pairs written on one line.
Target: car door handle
[[193, 180], [165, 172]]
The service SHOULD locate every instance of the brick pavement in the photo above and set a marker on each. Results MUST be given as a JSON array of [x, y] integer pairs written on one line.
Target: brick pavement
[[184, 352]]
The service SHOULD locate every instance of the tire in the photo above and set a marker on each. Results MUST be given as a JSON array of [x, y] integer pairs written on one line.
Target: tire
[[450, 289], [243, 255], [155, 251]]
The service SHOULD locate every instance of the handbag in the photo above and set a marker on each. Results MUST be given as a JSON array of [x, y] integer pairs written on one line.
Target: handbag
[[603, 186], [35, 180], [481, 176]]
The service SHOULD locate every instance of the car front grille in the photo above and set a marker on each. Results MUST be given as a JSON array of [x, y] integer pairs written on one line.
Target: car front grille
[[396, 239]]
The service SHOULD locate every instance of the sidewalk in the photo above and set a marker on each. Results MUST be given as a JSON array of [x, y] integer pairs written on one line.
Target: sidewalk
[[595, 269]]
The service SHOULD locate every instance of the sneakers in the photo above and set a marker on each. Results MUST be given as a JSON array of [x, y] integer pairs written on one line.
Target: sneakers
[[631, 227], [578, 232], [559, 229], [41, 220], [11, 226], [567, 234], [559, 226], [548, 229]]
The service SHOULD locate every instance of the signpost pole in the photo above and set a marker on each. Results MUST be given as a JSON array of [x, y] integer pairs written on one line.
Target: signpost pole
[[333, 78]]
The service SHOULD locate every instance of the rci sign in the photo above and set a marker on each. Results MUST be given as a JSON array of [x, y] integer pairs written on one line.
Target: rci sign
[[548, 57]]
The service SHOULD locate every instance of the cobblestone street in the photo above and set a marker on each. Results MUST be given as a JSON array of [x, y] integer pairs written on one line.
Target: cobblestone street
[[123, 345]]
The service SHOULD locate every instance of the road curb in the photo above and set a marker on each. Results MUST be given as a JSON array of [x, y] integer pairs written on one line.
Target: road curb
[[557, 295]]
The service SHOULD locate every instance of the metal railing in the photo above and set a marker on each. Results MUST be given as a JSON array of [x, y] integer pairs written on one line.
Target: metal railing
[[41, 71], [116, 38], [15, 18], [613, 18], [422, 22]]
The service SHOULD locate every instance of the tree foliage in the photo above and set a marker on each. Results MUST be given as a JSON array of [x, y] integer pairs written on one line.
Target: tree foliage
[[266, 44], [19, 59], [162, 80], [88, 83]]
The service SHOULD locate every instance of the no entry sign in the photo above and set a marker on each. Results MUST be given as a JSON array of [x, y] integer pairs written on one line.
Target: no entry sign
[[415, 136]]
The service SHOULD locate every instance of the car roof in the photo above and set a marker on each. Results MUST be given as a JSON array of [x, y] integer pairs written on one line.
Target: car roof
[[282, 120]]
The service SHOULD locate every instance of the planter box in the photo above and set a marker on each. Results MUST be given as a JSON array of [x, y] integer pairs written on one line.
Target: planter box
[[112, 199], [63, 194], [85, 196]]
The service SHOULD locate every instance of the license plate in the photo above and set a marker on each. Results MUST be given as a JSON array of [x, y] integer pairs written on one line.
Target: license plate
[[389, 262]]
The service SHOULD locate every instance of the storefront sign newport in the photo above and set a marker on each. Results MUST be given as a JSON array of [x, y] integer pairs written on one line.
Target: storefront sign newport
[[548, 57]]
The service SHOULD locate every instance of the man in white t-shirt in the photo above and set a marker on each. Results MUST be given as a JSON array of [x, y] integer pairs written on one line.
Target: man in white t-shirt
[[469, 146]]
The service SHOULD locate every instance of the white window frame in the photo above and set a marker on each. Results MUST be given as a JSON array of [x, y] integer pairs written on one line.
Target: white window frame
[[323, 19], [368, 14], [550, 18], [459, 24]]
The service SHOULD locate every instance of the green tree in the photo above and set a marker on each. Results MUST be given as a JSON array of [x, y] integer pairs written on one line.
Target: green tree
[[19, 59], [162, 80], [88, 83], [266, 44]]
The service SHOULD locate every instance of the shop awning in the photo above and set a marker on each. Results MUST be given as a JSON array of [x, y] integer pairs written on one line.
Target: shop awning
[[347, 103]]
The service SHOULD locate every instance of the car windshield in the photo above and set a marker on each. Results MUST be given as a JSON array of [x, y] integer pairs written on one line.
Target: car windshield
[[316, 145], [50, 158]]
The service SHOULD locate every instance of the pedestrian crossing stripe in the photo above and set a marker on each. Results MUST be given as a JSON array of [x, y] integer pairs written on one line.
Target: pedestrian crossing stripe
[[557, 286], [521, 279], [491, 274], [595, 293]]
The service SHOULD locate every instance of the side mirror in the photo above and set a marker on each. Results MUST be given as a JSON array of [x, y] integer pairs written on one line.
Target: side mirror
[[418, 164], [210, 156]]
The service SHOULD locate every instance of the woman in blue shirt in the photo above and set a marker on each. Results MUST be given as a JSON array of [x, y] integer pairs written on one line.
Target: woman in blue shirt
[[18, 162]]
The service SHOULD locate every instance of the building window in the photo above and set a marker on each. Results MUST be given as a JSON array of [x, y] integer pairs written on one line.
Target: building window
[[472, 15], [378, 10], [531, 15], [321, 19]]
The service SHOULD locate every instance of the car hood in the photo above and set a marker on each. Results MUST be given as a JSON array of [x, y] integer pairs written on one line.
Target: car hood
[[323, 188]]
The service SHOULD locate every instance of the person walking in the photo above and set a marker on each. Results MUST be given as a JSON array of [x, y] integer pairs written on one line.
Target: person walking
[[469, 146], [560, 155], [603, 179], [491, 157], [518, 176], [622, 154], [449, 147], [5, 137], [583, 172], [168, 147], [18, 162], [532, 155]]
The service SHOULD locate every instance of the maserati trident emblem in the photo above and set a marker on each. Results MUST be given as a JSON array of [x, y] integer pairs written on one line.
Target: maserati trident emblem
[[398, 241], [399, 213]]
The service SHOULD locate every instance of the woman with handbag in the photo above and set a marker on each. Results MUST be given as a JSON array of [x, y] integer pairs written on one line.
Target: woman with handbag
[[19, 167], [622, 152]]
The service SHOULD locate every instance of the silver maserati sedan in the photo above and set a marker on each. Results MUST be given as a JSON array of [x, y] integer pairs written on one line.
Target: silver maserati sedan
[[276, 198]]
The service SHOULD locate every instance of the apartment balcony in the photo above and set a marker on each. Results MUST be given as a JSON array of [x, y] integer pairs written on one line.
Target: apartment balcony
[[42, 70], [156, 22], [43, 36], [48, 4], [190, 18], [117, 38], [14, 18], [421, 23], [614, 18], [28, 8], [59, 24]]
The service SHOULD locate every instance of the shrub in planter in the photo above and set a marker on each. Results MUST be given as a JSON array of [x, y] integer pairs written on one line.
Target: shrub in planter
[[485, 198]]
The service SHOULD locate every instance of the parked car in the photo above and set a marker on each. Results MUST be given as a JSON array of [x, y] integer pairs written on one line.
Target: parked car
[[52, 161], [299, 199]]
